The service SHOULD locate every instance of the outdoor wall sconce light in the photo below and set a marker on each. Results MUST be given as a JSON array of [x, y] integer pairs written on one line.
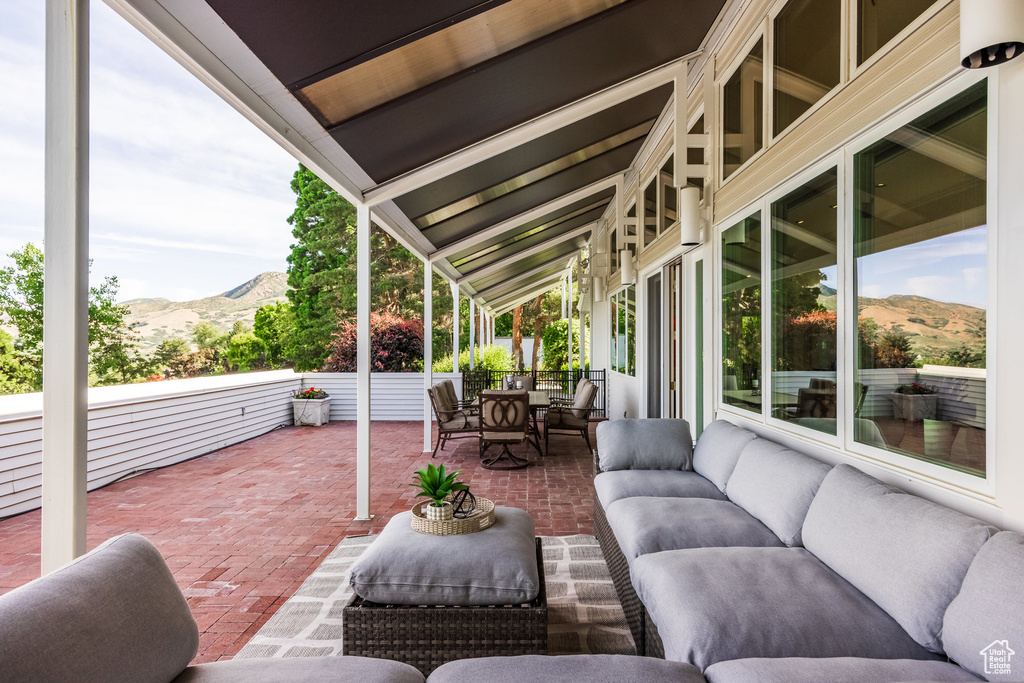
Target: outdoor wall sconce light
[[689, 216], [626, 259], [600, 290], [991, 32]]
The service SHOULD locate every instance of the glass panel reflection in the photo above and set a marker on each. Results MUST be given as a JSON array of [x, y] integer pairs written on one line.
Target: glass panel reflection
[[741, 314], [807, 54], [878, 22], [743, 111]]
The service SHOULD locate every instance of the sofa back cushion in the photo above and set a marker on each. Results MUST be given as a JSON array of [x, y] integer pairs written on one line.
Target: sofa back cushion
[[114, 614], [644, 445], [718, 449], [986, 619], [907, 554], [776, 485]]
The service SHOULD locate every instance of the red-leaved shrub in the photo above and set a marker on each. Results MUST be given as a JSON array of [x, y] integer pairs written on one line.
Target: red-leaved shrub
[[396, 345]]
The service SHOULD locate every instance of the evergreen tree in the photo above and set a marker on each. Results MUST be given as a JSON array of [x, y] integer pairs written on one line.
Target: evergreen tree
[[15, 378]]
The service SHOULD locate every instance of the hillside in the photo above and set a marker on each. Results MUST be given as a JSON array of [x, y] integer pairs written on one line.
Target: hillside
[[158, 318], [934, 327]]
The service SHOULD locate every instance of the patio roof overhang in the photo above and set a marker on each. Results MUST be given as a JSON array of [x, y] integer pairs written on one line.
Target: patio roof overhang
[[486, 135]]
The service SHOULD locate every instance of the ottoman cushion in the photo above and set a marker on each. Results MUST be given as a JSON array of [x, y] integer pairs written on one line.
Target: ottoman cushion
[[496, 566], [301, 670], [565, 669]]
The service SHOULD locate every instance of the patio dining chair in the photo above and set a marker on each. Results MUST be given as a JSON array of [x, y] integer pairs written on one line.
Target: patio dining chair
[[572, 417], [454, 421], [505, 421], [520, 382]]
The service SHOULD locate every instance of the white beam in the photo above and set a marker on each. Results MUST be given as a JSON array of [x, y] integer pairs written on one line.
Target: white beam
[[455, 327], [472, 334], [579, 309], [530, 251], [568, 310], [522, 219], [363, 460], [66, 283], [531, 130], [483, 293], [428, 350]]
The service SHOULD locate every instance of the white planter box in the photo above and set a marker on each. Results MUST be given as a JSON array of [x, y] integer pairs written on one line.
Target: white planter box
[[915, 407], [311, 411]]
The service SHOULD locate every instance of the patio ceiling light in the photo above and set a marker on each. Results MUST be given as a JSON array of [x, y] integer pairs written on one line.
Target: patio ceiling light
[[991, 32]]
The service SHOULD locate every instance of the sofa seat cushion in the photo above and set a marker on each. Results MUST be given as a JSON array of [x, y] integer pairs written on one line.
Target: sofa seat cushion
[[836, 670], [565, 669], [776, 485], [718, 449], [653, 525], [986, 619], [302, 670], [496, 566], [644, 445], [114, 614], [716, 604], [907, 554], [613, 486]]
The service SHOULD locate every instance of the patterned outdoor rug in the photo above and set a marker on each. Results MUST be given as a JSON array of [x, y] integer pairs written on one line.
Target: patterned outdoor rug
[[584, 615]]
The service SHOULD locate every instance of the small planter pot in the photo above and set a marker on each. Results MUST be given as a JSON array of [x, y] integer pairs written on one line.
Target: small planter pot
[[914, 407], [313, 412], [438, 514]]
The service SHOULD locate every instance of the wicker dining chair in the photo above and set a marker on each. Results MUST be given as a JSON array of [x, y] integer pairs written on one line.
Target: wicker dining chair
[[453, 420], [573, 417], [504, 420]]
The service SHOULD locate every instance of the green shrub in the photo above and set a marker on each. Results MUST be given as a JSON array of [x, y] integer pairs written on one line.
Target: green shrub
[[492, 357]]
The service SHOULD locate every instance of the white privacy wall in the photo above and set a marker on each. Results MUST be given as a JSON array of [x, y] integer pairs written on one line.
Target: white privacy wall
[[141, 426]]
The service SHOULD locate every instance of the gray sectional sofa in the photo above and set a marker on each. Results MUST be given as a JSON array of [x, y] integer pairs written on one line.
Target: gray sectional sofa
[[757, 563]]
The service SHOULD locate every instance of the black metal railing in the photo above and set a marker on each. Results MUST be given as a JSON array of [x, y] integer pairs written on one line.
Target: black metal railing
[[559, 384]]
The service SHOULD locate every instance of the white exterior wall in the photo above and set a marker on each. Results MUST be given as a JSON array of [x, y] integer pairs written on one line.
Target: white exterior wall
[[141, 426]]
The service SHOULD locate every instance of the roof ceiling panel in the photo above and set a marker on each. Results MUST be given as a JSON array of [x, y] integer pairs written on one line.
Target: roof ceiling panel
[[524, 83], [495, 280], [532, 196], [522, 265], [536, 153]]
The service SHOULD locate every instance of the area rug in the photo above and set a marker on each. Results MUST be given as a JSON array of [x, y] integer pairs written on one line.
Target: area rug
[[584, 615]]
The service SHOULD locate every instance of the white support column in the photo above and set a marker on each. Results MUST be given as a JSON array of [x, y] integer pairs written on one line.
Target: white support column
[[568, 309], [455, 327], [472, 334], [363, 362], [579, 307], [66, 283], [428, 350]]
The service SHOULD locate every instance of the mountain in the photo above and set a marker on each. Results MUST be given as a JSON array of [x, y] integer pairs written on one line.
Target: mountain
[[158, 319], [934, 327]]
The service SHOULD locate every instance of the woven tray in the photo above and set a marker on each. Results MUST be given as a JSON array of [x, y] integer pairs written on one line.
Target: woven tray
[[481, 518]]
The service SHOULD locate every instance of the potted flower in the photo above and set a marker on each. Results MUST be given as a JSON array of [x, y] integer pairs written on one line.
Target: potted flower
[[436, 484], [311, 406], [914, 402]]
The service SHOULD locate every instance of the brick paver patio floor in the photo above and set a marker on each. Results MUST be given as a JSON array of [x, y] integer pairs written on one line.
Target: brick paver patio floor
[[243, 527]]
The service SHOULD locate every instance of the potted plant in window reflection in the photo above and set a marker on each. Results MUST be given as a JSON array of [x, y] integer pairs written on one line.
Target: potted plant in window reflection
[[436, 484], [914, 402], [311, 407]]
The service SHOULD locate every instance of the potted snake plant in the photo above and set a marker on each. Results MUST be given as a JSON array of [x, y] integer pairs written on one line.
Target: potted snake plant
[[436, 484]]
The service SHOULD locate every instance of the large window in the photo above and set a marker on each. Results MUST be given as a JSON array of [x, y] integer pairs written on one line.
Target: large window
[[651, 211], [807, 56], [669, 196], [743, 111], [741, 314], [879, 21], [920, 242], [805, 292], [623, 324]]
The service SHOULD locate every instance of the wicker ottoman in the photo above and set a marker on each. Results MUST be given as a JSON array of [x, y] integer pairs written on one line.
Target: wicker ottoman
[[427, 636]]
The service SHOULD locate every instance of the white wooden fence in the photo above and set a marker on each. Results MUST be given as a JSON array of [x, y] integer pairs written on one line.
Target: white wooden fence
[[140, 426]]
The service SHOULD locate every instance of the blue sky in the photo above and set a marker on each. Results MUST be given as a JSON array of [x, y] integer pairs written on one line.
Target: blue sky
[[950, 268], [187, 198]]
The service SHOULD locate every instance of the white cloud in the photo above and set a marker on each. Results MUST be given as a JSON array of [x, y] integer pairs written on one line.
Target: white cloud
[[871, 291]]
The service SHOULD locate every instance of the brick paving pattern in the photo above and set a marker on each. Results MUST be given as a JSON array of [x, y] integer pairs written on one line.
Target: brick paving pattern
[[243, 527]]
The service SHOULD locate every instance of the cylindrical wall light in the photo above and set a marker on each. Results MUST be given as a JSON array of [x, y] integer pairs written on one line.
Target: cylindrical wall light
[[626, 265], [689, 216], [991, 32], [600, 289]]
